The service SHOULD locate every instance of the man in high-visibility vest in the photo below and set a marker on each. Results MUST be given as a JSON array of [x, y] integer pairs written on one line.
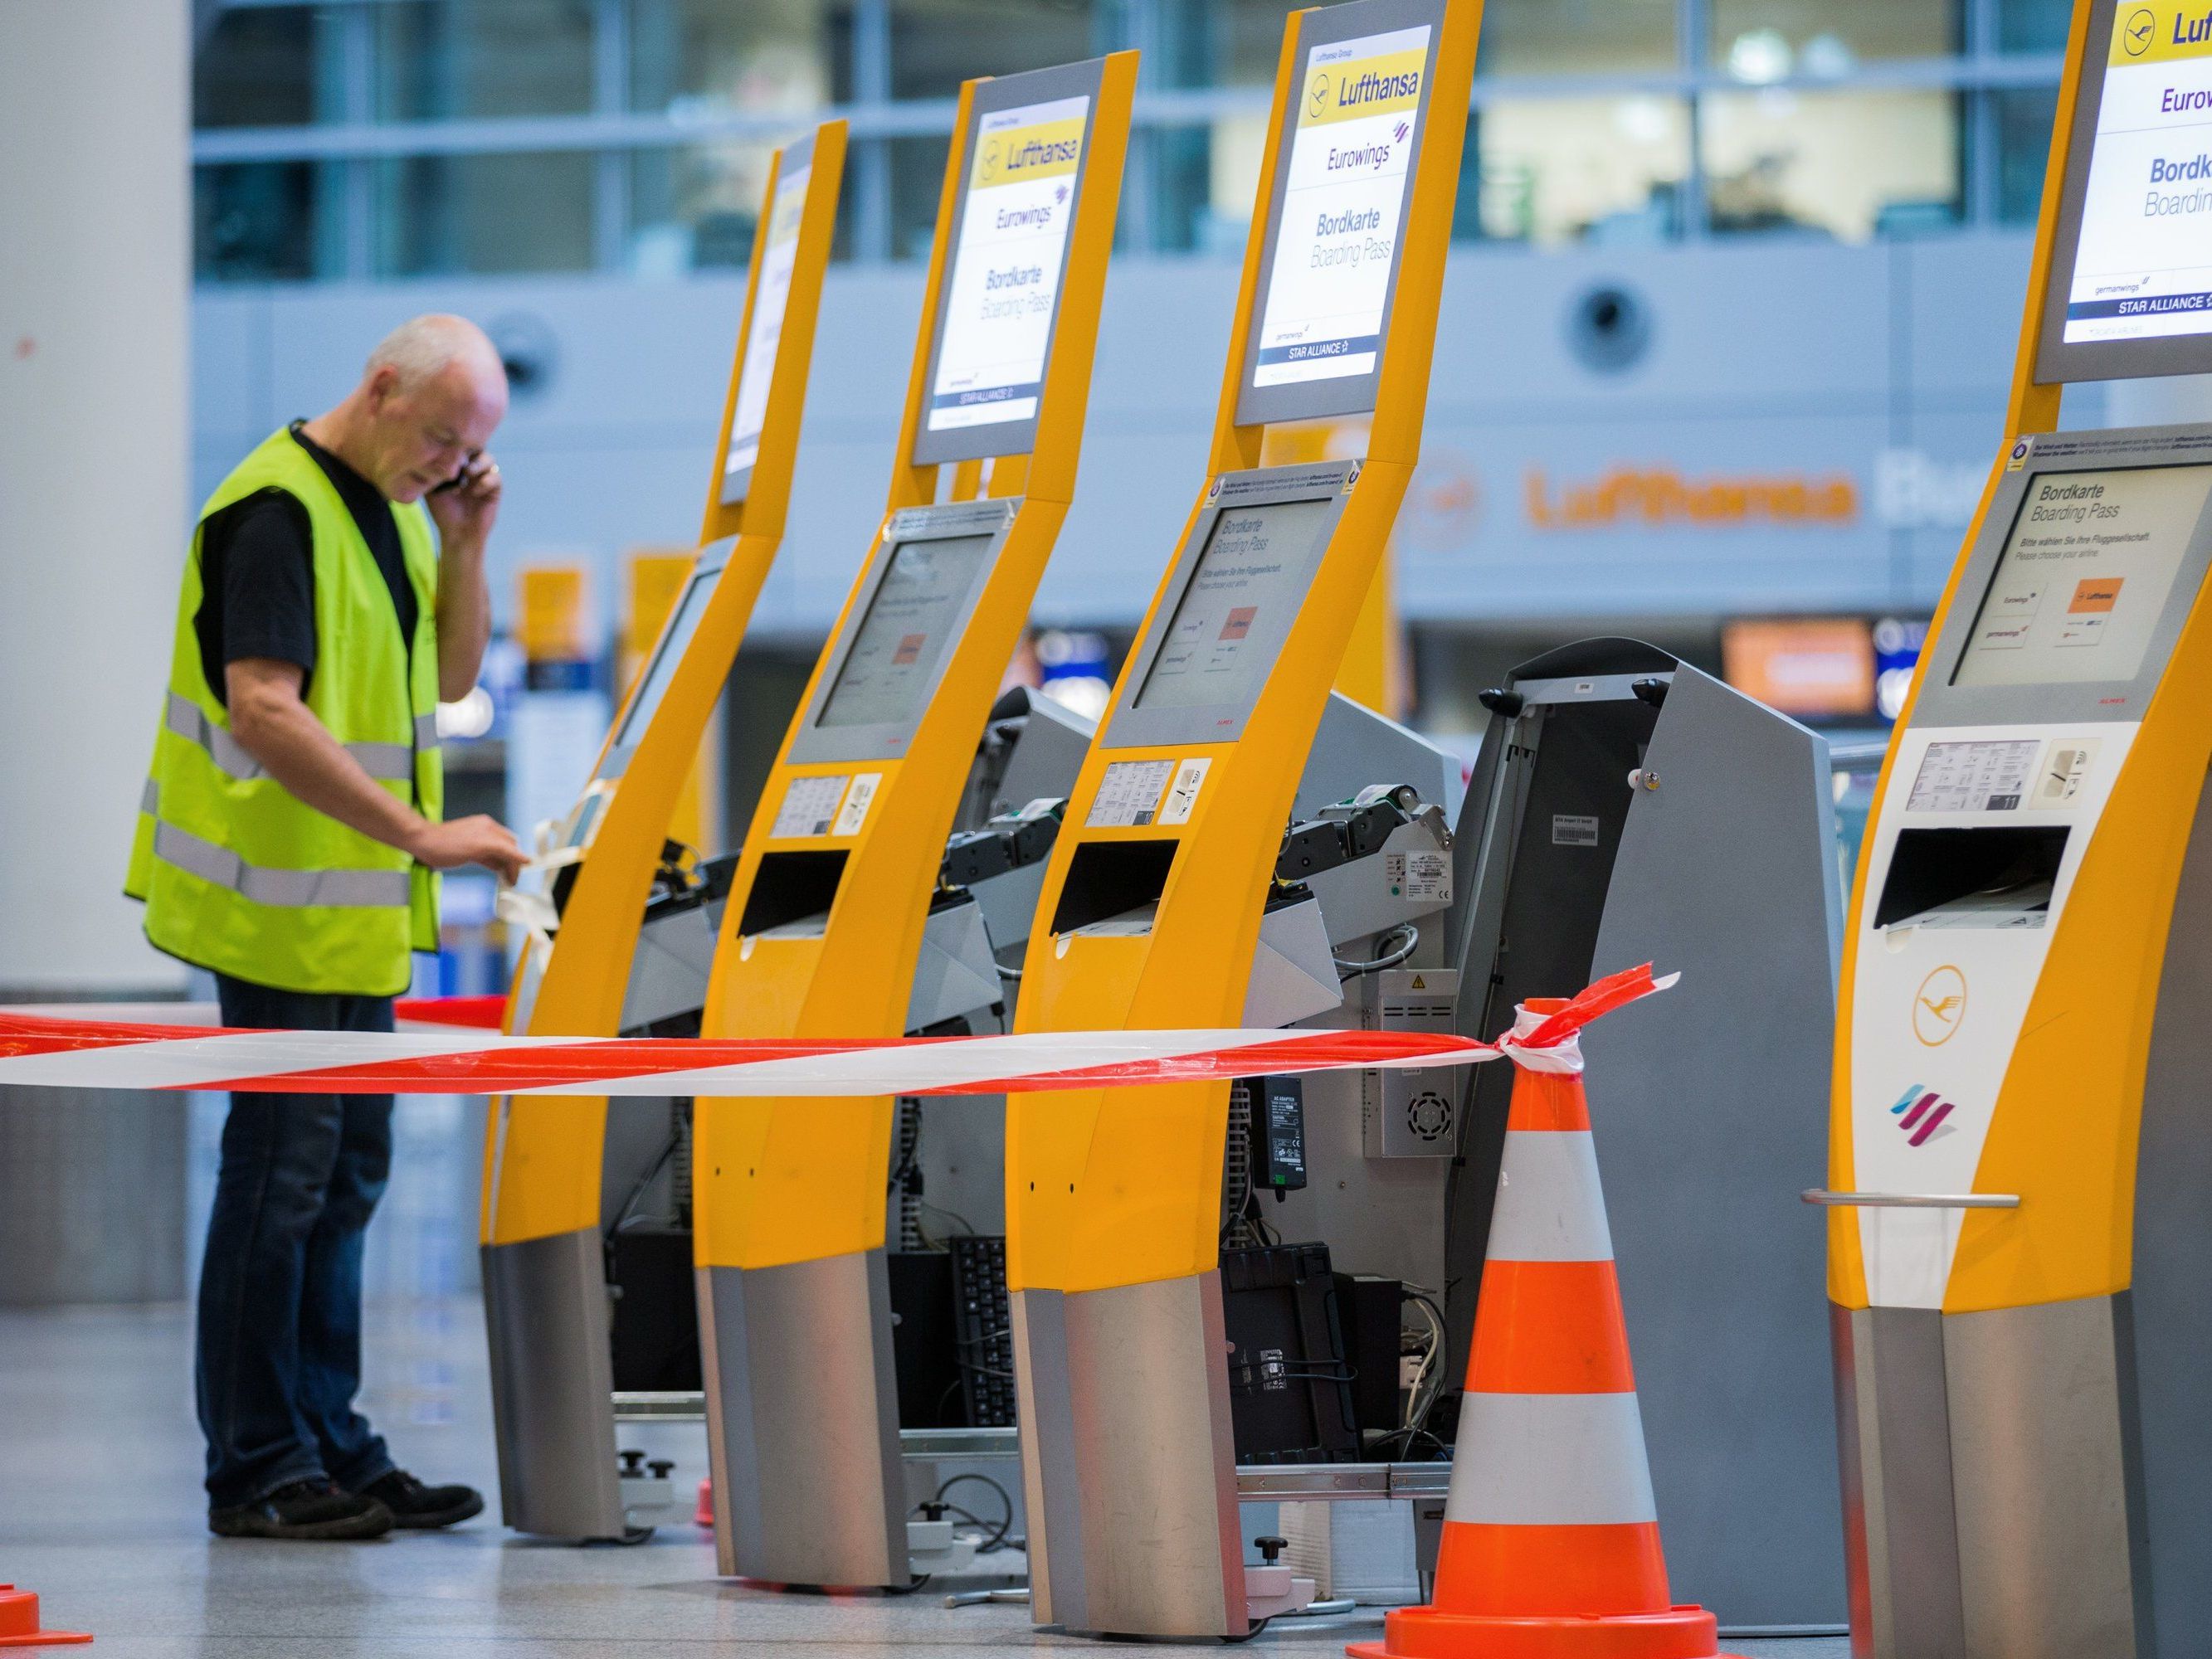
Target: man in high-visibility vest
[[333, 597]]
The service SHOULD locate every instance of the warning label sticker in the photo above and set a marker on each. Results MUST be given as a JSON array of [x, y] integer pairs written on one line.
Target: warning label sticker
[[1573, 829], [1422, 878], [854, 812], [809, 806], [1182, 794], [1129, 794]]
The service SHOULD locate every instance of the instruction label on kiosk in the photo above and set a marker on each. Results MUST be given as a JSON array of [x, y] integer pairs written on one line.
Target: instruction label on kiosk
[[1128, 794], [1973, 777], [766, 329], [1006, 268], [809, 806], [1358, 105], [2143, 265]]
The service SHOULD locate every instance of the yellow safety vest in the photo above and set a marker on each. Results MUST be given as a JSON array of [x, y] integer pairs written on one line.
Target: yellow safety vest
[[238, 874]]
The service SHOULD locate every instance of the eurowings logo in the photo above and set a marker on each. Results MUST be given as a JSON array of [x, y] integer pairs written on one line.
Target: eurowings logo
[[1920, 1113]]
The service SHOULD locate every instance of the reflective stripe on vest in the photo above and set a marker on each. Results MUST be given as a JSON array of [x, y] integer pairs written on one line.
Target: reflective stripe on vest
[[285, 889], [390, 762]]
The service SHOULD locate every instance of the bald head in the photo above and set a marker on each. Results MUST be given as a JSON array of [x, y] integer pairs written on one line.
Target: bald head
[[423, 348], [431, 396]]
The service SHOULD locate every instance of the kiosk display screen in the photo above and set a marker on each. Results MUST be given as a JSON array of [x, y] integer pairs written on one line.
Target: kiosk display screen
[[1002, 294], [1337, 225], [888, 672], [1236, 609], [766, 329], [2084, 576], [2133, 256], [675, 640]]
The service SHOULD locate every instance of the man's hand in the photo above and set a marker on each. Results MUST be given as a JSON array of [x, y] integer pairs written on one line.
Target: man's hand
[[477, 840], [465, 507]]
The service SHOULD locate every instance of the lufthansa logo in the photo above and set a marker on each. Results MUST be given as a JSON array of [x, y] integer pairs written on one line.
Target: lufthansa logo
[[990, 160], [1939, 1006], [2137, 33], [1318, 94]]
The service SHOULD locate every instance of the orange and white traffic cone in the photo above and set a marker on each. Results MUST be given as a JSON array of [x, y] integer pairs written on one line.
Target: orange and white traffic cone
[[19, 1623], [1551, 1537]]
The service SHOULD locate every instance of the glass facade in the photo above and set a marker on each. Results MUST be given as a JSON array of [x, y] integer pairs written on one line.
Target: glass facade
[[446, 59], [358, 139], [1848, 165], [692, 57]]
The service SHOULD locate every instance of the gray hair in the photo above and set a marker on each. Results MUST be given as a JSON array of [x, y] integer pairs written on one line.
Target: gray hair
[[423, 347]]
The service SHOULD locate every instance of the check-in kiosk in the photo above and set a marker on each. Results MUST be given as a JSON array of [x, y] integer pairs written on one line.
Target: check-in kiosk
[[826, 917], [2020, 1147], [1157, 897], [544, 1277], [1626, 807]]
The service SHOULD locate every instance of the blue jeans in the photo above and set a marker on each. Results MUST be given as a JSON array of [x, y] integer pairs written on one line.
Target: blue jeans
[[280, 1288]]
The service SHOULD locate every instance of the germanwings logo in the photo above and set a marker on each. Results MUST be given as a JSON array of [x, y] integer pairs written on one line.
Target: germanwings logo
[[1920, 1113]]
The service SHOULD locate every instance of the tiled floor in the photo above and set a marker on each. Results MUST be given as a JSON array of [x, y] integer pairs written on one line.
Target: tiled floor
[[100, 1512]]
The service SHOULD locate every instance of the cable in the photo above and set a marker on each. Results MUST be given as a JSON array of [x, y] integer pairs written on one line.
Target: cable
[[1006, 1498], [1436, 1370], [1409, 1436], [1232, 1641], [1012, 973], [1348, 970], [966, 1226]]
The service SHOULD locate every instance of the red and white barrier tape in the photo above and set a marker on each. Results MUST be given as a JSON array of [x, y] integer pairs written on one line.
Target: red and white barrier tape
[[73, 1051]]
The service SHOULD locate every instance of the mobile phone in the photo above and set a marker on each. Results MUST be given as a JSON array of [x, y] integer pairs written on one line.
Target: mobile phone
[[454, 482]]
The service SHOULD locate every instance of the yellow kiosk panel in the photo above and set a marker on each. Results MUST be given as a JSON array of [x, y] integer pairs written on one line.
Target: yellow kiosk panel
[[2018, 1148], [1154, 898], [545, 1292], [832, 895]]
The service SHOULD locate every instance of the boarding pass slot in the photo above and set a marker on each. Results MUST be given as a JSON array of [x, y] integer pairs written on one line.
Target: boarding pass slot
[[1994, 877], [1108, 879], [792, 887]]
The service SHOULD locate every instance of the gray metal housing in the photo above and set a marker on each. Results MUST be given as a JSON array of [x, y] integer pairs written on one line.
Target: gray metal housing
[[1709, 1103]]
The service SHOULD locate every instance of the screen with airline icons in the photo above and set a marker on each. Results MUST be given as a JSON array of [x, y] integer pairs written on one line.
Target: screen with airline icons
[[1236, 609], [1000, 299], [889, 671], [2085, 575], [2131, 271], [1336, 224]]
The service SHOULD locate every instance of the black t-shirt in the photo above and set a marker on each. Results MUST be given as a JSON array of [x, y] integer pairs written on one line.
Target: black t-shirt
[[258, 572]]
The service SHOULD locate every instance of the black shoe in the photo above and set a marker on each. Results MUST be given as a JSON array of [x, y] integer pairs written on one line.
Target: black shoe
[[304, 1509], [413, 1504]]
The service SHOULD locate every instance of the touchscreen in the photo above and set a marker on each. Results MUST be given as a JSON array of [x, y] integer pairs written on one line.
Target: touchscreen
[[1005, 288], [2143, 266], [2084, 576], [1351, 153], [766, 329], [910, 622], [675, 640], [1237, 609]]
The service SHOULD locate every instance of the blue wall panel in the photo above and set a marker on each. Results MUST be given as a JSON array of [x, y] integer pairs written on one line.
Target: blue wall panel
[[1875, 371]]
